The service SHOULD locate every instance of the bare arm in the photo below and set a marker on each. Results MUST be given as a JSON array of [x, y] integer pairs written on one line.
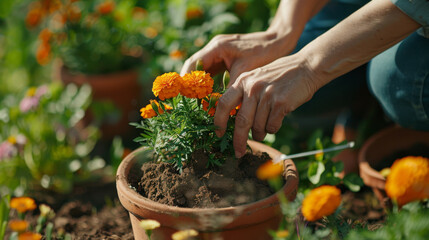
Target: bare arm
[[272, 91], [239, 53]]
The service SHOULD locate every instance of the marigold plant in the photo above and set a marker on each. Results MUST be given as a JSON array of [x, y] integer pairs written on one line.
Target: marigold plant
[[408, 180], [182, 120], [321, 201]]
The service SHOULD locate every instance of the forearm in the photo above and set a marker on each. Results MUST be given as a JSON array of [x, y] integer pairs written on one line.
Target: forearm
[[291, 18], [369, 31]]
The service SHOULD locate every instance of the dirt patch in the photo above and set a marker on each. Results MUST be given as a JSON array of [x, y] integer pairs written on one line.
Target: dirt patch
[[233, 183]]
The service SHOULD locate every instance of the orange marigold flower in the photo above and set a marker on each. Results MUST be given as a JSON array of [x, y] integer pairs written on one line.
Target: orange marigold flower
[[34, 17], [23, 204], [167, 85], [197, 84], [45, 35], [214, 97], [194, 12], [18, 225], [106, 7], [408, 180], [43, 54], [29, 236], [269, 170], [234, 111], [149, 112], [321, 201]]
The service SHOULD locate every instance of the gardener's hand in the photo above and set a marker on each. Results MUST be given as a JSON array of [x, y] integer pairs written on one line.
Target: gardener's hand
[[267, 95], [239, 53]]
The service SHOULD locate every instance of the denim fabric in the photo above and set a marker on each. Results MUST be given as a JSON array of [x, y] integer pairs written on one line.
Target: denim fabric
[[417, 10], [399, 79], [342, 91]]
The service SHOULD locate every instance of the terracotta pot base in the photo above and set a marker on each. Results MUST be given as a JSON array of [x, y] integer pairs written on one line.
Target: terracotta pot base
[[249, 221]]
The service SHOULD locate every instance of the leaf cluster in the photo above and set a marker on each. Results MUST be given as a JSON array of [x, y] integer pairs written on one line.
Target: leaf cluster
[[176, 134]]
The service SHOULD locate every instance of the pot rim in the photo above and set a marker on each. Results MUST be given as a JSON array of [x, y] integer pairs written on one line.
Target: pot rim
[[290, 186]]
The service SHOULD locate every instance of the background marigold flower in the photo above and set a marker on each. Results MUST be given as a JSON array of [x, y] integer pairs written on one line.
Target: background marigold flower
[[43, 54], [408, 180], [269, 170], [23, 204], [29, 236], [235, 110], [106, 7], [167, 85], [45, 35], [177, 54], [321, 201], [197, 84], [193, 13], [34, 17], [18, 225]]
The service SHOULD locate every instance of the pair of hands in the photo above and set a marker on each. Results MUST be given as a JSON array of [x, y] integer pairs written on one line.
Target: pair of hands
[[268, 85]]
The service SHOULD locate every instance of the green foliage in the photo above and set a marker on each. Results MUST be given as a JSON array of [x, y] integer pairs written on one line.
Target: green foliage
[[320, 169], [42, 145], [4, 214], [176, 134]]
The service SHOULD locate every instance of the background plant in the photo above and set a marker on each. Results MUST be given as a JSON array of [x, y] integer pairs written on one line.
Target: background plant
[[41, 144]]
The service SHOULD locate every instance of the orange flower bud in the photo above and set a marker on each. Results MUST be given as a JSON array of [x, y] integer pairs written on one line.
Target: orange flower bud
[[321, 201], [408, 180], [23, 204], [34, 17], [269, 170], [18, 225], [43, 54]]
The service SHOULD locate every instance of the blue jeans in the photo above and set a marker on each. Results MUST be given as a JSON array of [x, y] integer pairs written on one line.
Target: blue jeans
[[398, 77]]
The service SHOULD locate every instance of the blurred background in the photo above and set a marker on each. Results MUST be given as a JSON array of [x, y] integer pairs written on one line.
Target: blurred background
[[74, 74]]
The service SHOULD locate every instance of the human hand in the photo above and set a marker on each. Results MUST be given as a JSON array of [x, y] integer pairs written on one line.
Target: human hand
[[267, 95], [239, 53]]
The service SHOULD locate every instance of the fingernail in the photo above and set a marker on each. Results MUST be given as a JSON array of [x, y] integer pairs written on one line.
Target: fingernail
[[238, 154]]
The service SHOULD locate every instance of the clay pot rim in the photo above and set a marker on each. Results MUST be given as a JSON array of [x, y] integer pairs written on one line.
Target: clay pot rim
[[136, 199]]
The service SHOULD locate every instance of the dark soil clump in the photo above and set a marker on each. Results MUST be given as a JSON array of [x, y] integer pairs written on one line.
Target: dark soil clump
[[233, 183]]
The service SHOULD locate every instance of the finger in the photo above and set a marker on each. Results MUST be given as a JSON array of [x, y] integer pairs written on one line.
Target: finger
[[261, 117], [229, 100], [275, 118], [243, 123], [213, 62]]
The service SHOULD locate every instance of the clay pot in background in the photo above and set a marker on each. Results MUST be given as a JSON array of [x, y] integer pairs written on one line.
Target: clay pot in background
[[121, 88], [382, 145], [249, 221]]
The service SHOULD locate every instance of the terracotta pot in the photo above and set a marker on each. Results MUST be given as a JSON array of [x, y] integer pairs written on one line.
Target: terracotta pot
[[249, 221], [121, 88], [380, 146]]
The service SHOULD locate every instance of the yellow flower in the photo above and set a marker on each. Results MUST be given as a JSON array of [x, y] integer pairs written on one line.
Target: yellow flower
[[23, 204], [197, 84], [184, 234], [46, 211], [320, 202], [12, 140], [269, 170], [167, 85], [18, 225], [29, 236], [282, 233], [408, 180], [149, 112], [149, 224]]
